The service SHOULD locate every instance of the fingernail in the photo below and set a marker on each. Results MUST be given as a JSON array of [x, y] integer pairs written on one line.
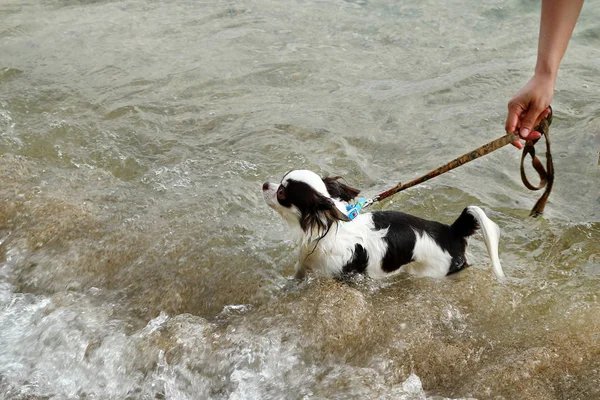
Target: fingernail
[[524, 132]]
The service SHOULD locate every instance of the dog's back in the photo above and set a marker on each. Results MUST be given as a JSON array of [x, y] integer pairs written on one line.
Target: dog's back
[[431, 248]]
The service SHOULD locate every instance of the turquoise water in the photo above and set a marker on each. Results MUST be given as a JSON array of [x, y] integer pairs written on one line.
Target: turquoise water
[[138, 260]]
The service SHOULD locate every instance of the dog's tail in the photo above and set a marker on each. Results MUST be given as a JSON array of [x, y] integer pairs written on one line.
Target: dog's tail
[[473, 218]]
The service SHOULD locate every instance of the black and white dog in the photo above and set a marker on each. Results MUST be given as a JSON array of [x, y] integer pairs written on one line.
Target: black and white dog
[[377, 244]]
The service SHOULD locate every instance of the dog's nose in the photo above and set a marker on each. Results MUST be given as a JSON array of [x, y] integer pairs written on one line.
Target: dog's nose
[[266, 186]]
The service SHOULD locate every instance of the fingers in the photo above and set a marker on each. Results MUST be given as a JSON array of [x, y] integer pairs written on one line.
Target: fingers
[[543, 115], [531, 119], [518, 144], [547, 112], [512, 120], [515, 125]]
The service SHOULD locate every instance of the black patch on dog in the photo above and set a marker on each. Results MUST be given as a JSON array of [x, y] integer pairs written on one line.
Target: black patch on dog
[[458, 263], [465, 225], [358, 262], [316, 210], [401, 238], [339, 190], [284, 201]]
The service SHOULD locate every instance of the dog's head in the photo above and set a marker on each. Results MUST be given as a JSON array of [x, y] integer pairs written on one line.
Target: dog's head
[[307, 201]]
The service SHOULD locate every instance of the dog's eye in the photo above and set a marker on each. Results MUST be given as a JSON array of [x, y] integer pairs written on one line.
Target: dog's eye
[[281, 193]]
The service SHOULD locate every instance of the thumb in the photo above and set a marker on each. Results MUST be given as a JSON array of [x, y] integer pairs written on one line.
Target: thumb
[[528, 121]]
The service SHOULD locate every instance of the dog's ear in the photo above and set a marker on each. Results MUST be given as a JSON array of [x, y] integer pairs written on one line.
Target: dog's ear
[[332, 214], [322, 215], [339, 190]]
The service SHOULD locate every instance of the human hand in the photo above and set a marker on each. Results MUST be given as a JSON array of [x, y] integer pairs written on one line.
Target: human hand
[[529, 106]]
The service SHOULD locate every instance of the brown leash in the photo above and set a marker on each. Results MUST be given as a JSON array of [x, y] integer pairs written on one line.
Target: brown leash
[[546, 174]]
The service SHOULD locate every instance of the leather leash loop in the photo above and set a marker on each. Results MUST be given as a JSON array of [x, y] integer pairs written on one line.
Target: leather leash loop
[[546, 174]]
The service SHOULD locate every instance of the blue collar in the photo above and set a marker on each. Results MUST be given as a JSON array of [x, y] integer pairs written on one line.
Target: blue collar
[[353, 210]]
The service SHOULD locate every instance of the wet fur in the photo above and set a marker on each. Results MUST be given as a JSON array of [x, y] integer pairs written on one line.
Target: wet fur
[[376, 244]]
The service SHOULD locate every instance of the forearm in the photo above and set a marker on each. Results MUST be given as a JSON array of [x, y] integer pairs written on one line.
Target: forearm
[[557, 23]]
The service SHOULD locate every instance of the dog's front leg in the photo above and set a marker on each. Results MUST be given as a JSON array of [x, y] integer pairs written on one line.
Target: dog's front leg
[[300, 271]]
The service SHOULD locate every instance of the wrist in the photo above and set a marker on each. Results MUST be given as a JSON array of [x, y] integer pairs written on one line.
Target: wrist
[[546, 70]]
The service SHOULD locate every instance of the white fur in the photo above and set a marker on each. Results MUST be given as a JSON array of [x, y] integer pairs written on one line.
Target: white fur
[[328, 252], [491, 237], [334, 250], [337, 247], [429, 259], [308, 177], [290, 215]]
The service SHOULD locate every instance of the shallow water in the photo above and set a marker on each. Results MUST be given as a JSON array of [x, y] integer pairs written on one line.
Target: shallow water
[[138, 260]]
